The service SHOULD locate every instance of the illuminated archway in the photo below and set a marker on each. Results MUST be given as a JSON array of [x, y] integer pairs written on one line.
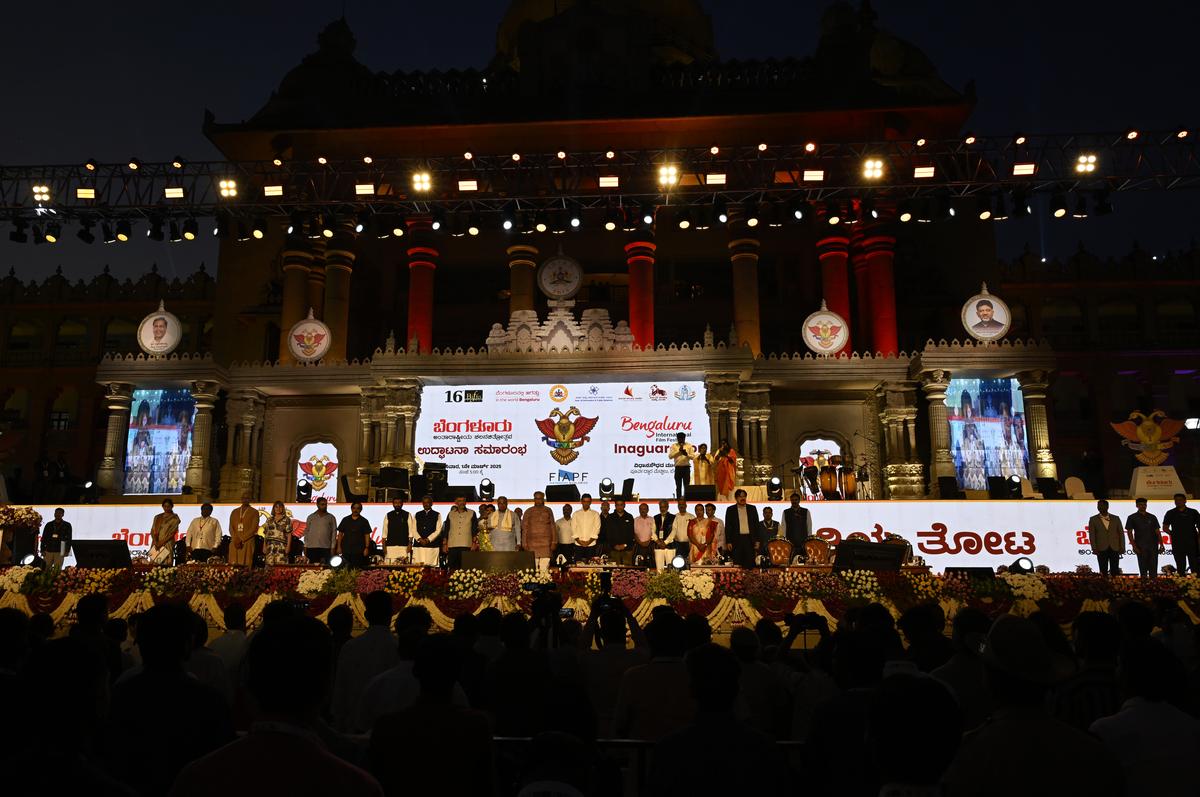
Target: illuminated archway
[[318, 463]]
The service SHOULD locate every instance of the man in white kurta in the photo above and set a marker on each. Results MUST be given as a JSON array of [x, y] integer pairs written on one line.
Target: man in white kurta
[[663, 557], [504, 526], [585, 527]]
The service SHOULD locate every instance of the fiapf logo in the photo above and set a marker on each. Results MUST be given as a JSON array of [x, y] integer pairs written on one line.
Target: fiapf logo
[[558, 393]]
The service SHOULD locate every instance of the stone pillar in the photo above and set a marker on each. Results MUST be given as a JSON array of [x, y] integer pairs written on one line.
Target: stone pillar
[[832, 251], [364, 442], [722, 402], [294, 307], [522, 262], [245, 414], [755, 405], [339, 265], [1033, 391], [862, 297], [422, 263], [110, 477], [904, 472], [879, 251], [870, 422], [935, 384], [199, 469], [639, 256], [743, 255], [316, 278], [404, 395]]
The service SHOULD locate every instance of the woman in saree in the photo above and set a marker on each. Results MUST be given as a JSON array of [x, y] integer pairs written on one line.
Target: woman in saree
[[277, 533], [163, 532], [726, 471], [702, 538]]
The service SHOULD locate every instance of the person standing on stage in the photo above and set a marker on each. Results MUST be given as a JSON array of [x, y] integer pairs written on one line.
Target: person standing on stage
[[702, 537], [243, 528], [504, 525], [162, 532], [458, 532], [277, 534], [538, 531], [680, 524], [1145, 534], [797, 525], [203, 535], [702, 466], [428, 529], [56, 539], [710, 512], [618, 532], [564, 544], [769, 528], [354, 538], [643, 534], [1108, 540], [399, 531], [585, 528], [319, 531], [1182, 523], [681, 454], [742, 532], [726, 471]]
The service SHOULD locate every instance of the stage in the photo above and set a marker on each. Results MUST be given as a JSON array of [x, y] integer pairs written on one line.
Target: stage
[[942, 533]]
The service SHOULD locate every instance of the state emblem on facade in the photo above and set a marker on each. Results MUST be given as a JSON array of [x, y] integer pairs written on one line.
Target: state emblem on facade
[[566, 434]]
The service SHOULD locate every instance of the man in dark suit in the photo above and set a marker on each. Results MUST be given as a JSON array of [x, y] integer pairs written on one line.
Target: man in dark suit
[[797, 525], [398, 527], [1108, 539], [742, 531]]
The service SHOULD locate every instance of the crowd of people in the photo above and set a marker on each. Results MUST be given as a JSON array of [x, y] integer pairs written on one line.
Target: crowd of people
[[506, 702]]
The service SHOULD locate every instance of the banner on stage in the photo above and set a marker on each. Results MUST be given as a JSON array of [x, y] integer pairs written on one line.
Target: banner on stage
[[524, 437], [944, 533]]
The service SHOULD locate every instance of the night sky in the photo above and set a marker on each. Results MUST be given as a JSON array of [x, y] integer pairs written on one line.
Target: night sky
[[111, 81]]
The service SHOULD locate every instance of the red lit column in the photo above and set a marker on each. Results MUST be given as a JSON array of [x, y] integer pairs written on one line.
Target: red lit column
[[339, 267], [639, 255], [743, 256], [833, 252], [862, 296], [879, 251], [422, 263]]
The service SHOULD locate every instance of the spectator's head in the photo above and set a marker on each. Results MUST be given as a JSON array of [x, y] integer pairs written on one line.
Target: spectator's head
[[466, 628], [921, 622], [768, 633], [164, 637], [74, 710], [280, 609], [1150, 671], [117, 630], [859, 656], [14, 639], [340, 621], [971, 628], [514, 631], [436, 665], [744, 644], [1019, 663], [667, 635], [91, 612], [612, 627], [199, 631], [412, 624], [1097, 637], [41, 627], [697, 631], [489, 621], [559, 758], [914, 726], [1136, 620], [713, 674], [235, 617], [378, 608], [568, 634], [278, 686]]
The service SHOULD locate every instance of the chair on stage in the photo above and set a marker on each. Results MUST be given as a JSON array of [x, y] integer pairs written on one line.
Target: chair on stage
[[1076, 490], [1027, 490], [779, 551], [349, 494], [816, 551]]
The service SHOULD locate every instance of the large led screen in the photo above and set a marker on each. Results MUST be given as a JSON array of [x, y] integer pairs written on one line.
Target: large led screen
[[987, 430], [159, 444]]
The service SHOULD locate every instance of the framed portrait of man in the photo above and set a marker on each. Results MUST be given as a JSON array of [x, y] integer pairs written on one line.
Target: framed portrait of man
[[986, 317], [159, 333]]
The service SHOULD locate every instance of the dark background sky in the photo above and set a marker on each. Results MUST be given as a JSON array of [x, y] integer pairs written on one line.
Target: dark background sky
[[111, 80]]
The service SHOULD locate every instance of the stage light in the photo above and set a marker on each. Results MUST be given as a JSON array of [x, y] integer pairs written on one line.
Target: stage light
[[647, 215], [134, 164], [813, 175], [83, 192], [540, 222], [1131, 134], [364, 189], [1024, 169], [173, 233], [85, 233], [421, 181], [771, 213], [33, 560], [41, 193], [678, 563], [304, 492], [1085, 164], [1191, 423], [468, 185], [53, 231], [920, 142], [703, 218], [399, 227], [721, 210], [259, 228], [439, 220], [685, 219], [612, 218], [468, 155], [328, 225], [90, 165], [924, 212], [716, 178], [124, 230], [629, 219], [367, 159], [474, 224], [562, 156], [155, 231], [799, 209], [228, 188], [810, 147], [714, 150], [277, 161], [487, 490], [750, 213], [983, 207], [1022, 566], [1019, 139], [1103, 203], [868, 208], [173, 192], [833, 214], [363, 221], [106, 230], [999, 207], [607, 488], [969, 139], [923, 172], [525, 222], [668, 175], [38, 236], [508, 219], [851, 214], [775, 489], [610, 154], [1021, 206], [177, 162], [762, 147], [336, 561], [1181, 133], [904, 211], [272, 190], [574, 219], [1081, 210], [243, 232], [1058, 205], [321, 159], [610, 181], [872, 169], [946, 209]]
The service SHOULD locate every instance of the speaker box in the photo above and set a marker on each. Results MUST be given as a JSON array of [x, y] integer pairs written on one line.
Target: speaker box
[[420, 486], [948, 488], [24, 542], [998, 488], [562, 492], [101, 553], [700, 492], [452, 492], [1049, 488], [858, 555], [627, 490]]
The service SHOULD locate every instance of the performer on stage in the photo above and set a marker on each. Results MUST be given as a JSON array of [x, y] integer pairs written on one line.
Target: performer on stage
[[504, 526], [702, 466], [277, 534], [681, 454], [243, 528], [1182, 524], [702, 534], [319, 531], [742, 533], [163, 531], [354, 538], [726, 471], [564, 544], [458, 532], [399, 531], [585, 526], [203, 535], [1145, 534], [797, 525], [425, 544], [538, 530], [1108, 540]]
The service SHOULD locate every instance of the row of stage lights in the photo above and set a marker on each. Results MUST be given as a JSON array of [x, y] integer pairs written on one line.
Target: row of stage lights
[[768, 213]]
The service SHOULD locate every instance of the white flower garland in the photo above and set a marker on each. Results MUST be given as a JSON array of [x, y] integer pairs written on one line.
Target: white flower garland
[[312, 582], [1026, 587], [697, 585], [12, 579]]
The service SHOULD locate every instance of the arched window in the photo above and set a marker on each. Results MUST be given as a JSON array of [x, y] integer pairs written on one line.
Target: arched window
[[72, 337], [318, 465], [1061, 316], [24, 336], [1176, 315], [120, 336], [1118, 314]]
